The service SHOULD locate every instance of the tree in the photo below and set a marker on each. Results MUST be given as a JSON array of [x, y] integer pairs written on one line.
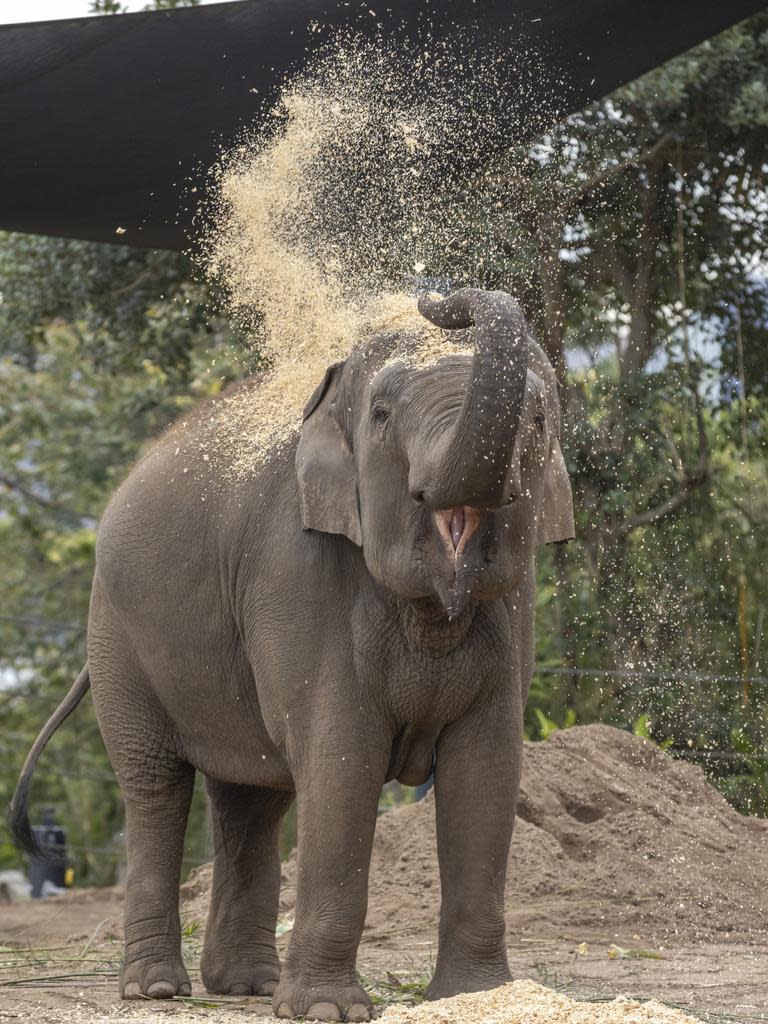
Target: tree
[[638, 240], [101, 348]]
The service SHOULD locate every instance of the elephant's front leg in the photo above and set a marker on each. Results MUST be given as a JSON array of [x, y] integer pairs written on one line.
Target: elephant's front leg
[[477, 777], [338, 790]]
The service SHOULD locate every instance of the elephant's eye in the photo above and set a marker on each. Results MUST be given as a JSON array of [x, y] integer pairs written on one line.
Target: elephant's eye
[[539, 421], [380, 415]]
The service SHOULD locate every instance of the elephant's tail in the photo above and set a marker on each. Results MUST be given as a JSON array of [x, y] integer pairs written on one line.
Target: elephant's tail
[[18, 817]]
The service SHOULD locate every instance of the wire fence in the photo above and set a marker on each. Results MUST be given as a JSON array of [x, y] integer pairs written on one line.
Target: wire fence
[[571, 672], [35, 622], [574, 672], [117, 853], [699, 754], [677, 677]]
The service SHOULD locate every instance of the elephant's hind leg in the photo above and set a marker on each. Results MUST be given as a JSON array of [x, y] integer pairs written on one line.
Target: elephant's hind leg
[[239, 956], [156, 818], [156, 783]]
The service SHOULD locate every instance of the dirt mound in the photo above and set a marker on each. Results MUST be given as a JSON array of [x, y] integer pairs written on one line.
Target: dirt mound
[[613, 839]]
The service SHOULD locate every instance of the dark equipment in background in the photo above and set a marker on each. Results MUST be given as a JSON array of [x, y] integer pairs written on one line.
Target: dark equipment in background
[[107, 123], [52, 839]]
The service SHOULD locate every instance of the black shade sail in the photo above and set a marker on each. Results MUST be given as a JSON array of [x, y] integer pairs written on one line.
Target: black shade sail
[[103, 120]]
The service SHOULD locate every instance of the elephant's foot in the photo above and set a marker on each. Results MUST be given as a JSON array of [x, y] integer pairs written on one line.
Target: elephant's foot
[[161, 979], [239, 975], [447, 983], [321, 1001]]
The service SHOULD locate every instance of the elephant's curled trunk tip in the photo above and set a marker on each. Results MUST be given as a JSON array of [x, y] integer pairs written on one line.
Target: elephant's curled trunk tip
[[488, 419], [451, 313]]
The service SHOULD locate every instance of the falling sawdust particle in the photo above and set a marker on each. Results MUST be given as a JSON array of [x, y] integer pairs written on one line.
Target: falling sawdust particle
[[525, 1002], [319, 223]]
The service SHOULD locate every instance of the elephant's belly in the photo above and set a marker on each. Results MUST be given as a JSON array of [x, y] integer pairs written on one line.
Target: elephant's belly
[[236, 748], [220, 726]]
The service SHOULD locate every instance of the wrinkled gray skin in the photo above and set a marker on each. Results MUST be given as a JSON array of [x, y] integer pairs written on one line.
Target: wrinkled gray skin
[[318, 629]]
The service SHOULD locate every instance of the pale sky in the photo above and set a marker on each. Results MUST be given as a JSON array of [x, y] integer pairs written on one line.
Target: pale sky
[[47, 10]]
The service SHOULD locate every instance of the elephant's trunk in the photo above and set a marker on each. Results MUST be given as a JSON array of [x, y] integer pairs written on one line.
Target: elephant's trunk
[[473, 464]]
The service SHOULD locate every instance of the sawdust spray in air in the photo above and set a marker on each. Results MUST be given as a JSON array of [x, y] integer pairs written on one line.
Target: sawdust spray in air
[[368, 178]]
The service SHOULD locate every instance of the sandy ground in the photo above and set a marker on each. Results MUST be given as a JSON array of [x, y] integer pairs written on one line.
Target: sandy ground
[[723, 978], [629, 875]]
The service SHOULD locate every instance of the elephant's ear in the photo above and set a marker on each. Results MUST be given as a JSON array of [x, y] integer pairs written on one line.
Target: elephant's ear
[[325, 466], [556, 519]]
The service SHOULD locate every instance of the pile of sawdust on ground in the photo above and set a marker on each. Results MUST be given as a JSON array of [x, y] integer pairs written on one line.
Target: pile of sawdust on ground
[[614, 838], [524, 1002]]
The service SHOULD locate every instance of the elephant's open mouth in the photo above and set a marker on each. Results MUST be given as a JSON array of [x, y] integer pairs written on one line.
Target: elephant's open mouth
[[456, 526]]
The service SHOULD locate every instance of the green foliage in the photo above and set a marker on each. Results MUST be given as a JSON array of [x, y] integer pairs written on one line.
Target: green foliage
[[115, 7], [640, 242], [641, 726], [101, 347], [661, 605], [746, 784], [408, 987], [394, 795], [547, 726]]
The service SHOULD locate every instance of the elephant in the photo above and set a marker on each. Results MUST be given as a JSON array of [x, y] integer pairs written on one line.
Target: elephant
[[355, 609]]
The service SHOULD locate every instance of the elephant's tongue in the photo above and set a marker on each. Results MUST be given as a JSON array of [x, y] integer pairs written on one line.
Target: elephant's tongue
[[457, 525]]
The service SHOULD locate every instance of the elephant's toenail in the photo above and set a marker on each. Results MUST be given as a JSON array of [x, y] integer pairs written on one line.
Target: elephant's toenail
[[185, 989], [357, 1012], [161, 990], [267, 988], [323, 1011], [132, 991], [241, 989], [283, 1010]]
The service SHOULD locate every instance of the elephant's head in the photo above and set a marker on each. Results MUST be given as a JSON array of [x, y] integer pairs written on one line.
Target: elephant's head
[[446, 476]]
